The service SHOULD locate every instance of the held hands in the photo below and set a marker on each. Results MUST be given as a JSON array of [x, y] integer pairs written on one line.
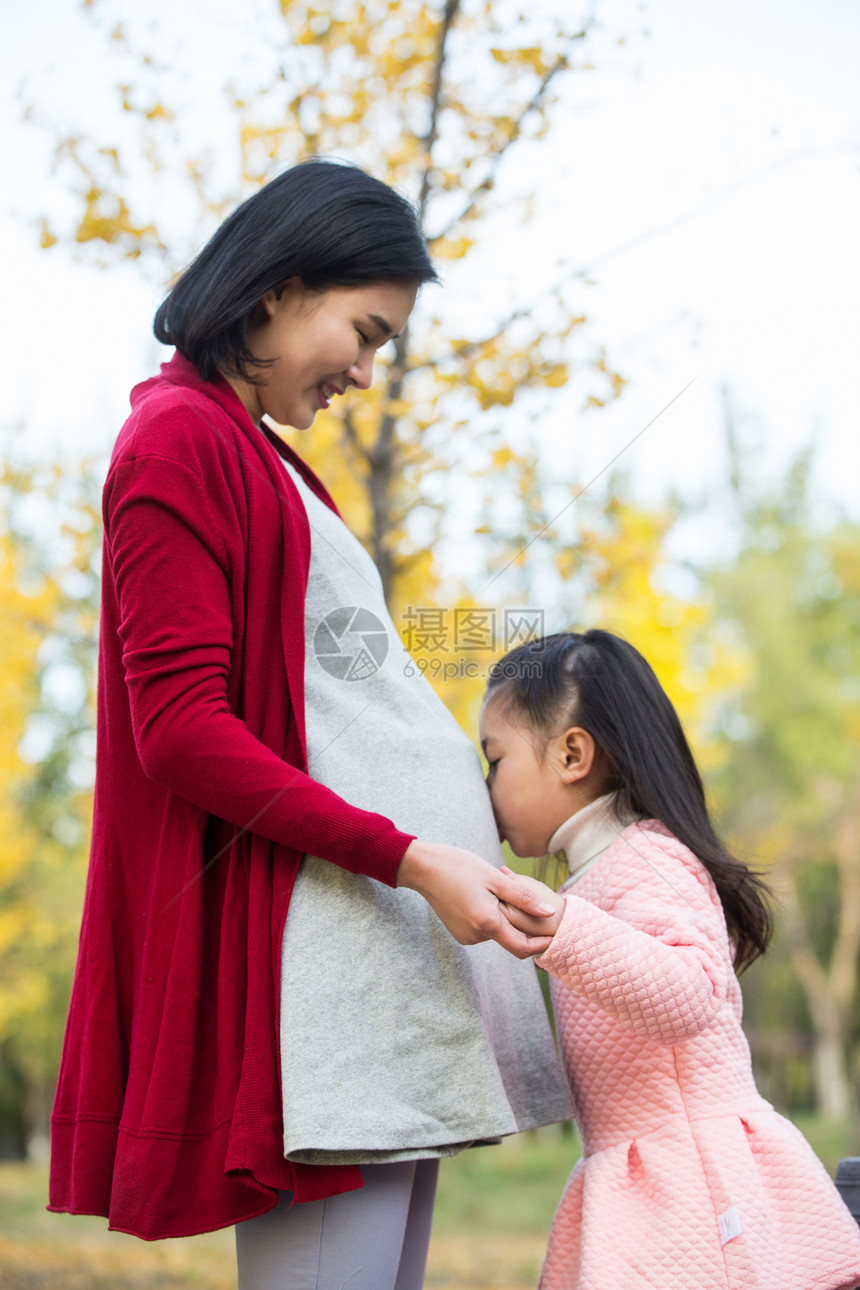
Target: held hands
[[525, 921], [476, 902]]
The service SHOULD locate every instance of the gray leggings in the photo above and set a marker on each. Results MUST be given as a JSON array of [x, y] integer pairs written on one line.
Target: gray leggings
[[372, 1239]]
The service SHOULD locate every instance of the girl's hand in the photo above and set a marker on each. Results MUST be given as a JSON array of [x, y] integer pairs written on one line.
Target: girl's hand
[[526, 922], [472, 897]]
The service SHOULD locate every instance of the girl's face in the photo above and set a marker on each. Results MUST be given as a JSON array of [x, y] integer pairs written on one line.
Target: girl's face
[[321, 342], [532, 781]]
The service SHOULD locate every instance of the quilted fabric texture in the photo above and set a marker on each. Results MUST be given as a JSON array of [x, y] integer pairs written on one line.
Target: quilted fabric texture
[[689, 1179]]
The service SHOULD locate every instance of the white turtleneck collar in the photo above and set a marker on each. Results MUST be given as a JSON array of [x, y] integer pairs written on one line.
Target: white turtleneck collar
[[590, 831]]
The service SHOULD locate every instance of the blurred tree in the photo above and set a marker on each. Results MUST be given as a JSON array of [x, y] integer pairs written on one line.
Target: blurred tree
[[790, 788], [438, 100], [49, 576], [668, 613], [603, 559], [23, 988]]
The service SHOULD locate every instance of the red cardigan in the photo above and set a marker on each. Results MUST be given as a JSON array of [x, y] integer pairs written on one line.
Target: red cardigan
[[167, 1117]]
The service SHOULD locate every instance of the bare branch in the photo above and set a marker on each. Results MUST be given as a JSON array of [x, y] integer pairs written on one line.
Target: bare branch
[[516, 130], [472, 346], [451, 10], [648, 235], [351, 434], [382, 458], [533, 104]]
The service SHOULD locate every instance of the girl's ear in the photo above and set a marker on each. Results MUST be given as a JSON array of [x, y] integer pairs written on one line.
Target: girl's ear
[[578, 750]]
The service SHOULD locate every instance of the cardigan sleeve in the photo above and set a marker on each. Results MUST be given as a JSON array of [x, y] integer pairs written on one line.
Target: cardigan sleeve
[[656, 958], [171, 567]]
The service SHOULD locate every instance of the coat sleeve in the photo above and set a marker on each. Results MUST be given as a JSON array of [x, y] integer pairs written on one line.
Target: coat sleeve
[[171, 568], [656, 957]]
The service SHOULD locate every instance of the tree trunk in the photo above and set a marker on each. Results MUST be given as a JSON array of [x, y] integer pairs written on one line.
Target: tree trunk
[[37, 1114], [833, 1088], [829, 1059]]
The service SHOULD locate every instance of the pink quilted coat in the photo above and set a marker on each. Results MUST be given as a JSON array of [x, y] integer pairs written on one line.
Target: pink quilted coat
[[689, 1179]]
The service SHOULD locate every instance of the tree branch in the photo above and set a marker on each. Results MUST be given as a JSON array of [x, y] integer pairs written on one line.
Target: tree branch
[[381, 458], [450, 13], [516, 129], [351, 434], [487, 183], [648, 235]]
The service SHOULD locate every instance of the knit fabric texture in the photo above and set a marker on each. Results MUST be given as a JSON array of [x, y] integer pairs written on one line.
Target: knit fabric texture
[[689, 1178], [167, 1117]]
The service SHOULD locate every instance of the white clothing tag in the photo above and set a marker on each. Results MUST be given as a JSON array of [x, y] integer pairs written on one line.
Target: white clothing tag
[[729, 1225]]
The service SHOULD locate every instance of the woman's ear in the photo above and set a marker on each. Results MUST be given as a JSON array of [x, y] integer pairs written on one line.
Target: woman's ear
[[578, 750], [275, 295]]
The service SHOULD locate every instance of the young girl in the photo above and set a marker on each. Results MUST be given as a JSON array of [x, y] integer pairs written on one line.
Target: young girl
[[689, 1179], [269, 1025]]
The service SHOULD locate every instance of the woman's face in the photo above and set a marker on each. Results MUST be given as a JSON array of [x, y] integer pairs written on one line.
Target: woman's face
[[321, 342]]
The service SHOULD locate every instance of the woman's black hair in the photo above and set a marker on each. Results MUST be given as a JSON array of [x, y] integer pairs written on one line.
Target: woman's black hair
[[600, 682], [326, 222]]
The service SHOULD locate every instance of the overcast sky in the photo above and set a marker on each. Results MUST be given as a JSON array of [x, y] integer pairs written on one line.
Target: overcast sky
[[722, 150]]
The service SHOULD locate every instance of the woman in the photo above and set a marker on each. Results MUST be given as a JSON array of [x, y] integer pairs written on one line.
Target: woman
[[217, 1066]]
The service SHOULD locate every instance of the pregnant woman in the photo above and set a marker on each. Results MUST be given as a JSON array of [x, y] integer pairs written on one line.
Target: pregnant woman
[[294, 992]]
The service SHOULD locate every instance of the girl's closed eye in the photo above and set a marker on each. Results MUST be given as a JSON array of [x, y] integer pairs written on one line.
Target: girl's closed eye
[[535, 782]]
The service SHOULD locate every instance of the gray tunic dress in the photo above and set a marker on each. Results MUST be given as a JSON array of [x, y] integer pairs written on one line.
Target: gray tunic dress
[[396, 1042]]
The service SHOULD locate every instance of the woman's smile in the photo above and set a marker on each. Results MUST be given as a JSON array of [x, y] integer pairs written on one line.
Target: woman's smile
[[313, 345], [327, 393]]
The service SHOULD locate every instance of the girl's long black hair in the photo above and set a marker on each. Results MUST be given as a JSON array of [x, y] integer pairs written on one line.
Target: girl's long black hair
[[326, 222], [598, 681]]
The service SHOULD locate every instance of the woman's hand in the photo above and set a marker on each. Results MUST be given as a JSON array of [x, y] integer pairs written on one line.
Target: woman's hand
[[470, 896], [526, 922]]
